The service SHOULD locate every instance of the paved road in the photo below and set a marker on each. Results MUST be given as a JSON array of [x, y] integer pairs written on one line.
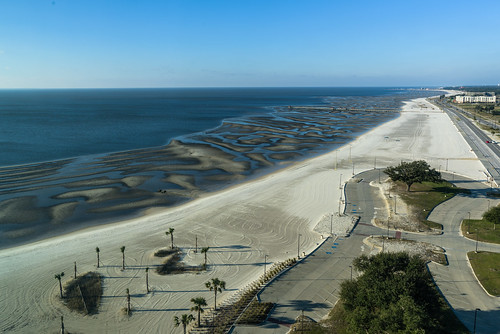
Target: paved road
[[313, 286], [488, 153]]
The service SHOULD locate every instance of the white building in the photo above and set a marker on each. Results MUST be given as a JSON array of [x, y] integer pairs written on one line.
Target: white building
[[476, 99]]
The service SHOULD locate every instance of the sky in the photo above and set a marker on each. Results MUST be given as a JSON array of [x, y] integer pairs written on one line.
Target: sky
[[254, 43]]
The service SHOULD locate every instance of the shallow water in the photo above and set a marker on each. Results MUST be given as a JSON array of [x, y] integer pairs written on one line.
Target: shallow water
[[43, 199]]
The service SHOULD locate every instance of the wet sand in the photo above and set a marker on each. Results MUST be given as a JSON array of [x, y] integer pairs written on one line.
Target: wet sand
[[42, 200]]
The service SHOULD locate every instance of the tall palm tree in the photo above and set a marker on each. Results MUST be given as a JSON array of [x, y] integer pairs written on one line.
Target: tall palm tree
[[97, 250], [58, 277], [204, 250], [122, 249], [171, 233], [198, 303], [184, 320], [128, 301], [217, 286]]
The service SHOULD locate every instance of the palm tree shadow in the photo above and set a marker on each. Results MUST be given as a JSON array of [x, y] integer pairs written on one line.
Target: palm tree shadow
[[306, 305]]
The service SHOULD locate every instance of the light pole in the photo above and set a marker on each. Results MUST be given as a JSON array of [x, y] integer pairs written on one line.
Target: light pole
[[340, 182], [477, 234], [475, 318], [351, 272], [395, 206], [265, 262], [375, 163], [331, 222], [446, 164], [468, 224], [298, 246], [353, 168]]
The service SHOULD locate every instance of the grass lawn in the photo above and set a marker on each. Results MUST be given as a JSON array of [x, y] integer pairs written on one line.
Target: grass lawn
[[425, 196], [486, 266], [482, 229]]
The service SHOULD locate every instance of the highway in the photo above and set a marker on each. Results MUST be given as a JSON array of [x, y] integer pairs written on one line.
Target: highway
[[487, 151]]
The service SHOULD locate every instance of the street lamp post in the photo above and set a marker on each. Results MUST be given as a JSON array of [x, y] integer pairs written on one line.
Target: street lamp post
[[265, 262], [298, 246], [477, 234], [468, 224], [351, 272], [331, 222]]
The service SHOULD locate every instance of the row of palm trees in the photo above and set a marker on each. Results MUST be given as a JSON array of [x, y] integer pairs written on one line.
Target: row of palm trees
[[215, 285]]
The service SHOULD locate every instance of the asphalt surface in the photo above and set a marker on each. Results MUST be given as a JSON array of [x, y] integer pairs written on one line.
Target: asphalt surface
[[313, 285]]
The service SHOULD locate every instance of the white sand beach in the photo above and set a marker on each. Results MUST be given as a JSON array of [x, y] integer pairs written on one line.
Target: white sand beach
[[240, 225]]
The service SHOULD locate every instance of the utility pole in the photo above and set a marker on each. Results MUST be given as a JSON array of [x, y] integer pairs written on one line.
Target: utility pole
[[477, 234], [298, 246]]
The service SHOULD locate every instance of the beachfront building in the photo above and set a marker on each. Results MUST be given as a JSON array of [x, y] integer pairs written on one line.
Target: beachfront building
[[476, 99]]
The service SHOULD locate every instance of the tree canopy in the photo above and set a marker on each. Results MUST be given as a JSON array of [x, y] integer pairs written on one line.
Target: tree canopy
[[413, 172], [493, 215], [394, 294]]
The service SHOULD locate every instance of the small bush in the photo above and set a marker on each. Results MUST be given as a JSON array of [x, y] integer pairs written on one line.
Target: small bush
[[83, 294]]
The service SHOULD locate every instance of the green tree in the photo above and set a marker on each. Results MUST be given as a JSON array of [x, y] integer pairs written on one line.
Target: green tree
[[217, 286], [204, 250], [184, 321], [171, 233], [198, 302], [394, 294], [122, 249], [97, 250], [413, 172], [493, 216], [58, 277]]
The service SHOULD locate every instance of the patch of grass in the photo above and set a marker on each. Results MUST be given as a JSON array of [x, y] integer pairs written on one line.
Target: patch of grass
[[486, 266], [425, 196], [83, 294], [255, 313], [304, 324], [482, 229]]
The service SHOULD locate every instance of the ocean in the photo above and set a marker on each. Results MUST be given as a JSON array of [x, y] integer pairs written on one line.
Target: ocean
[[82, 157]]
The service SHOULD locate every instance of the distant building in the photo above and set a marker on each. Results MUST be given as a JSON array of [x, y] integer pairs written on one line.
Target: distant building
[[476, 99]]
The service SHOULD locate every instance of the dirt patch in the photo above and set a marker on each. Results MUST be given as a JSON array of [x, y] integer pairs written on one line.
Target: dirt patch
[[426, 251]]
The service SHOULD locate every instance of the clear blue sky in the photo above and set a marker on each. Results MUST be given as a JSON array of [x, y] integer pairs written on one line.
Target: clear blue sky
[[211, 43]]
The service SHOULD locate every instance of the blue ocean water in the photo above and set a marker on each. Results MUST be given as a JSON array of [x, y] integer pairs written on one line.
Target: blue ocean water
[[45, 125]]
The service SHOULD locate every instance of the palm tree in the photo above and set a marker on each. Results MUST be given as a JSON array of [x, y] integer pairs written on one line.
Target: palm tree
[[205, 250], [198, 303], [97, 250], [217, 286], [122, 249], [128, 301], [184, 320], [171, 233], [58, 277], [147, 281]]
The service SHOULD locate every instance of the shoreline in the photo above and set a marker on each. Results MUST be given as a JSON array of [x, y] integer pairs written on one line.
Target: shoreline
[[61, 197], [239, 224]]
